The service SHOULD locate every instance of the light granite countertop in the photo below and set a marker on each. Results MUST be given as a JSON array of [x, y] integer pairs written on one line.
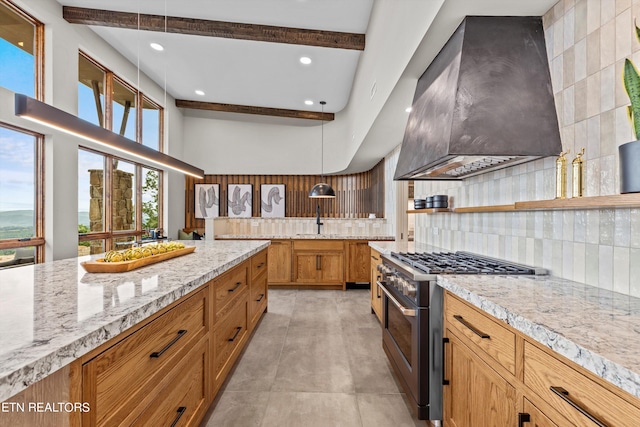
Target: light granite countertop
[[303, 236], [595, 328], [53, 313]]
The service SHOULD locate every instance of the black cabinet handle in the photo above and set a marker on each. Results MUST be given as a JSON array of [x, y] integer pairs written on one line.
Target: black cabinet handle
[[445, 381], [378, 294], [471, 327], [377, 259], [318, 262], [564, 395], [235, 287], [523, 418], [156, 354], [181, 411], [260, 299], [260, 265], [233, 338]]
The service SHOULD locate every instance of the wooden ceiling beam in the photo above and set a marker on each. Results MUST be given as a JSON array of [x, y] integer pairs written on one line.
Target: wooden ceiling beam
[[203, 27], [247, 109]]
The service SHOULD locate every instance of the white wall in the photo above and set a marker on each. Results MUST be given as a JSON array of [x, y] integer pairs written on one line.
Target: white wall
[[62, 42]]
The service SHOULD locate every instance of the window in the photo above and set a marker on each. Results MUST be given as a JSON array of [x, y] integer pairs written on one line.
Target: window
[[118, 202], [21, 197], [122, 109], [21, 41], [91, 81]]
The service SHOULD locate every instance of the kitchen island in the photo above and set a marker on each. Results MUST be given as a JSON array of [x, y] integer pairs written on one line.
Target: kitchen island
[[55, 313]]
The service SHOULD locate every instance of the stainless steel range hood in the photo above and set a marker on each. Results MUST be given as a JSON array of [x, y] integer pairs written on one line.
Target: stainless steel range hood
[[484, 103]]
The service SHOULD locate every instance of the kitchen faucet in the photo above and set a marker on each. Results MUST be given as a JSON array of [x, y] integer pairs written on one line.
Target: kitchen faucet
[[318, 217]]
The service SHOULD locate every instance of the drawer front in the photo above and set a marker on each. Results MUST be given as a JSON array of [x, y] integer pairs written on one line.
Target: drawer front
[[542, 372], [493, 339], [257, 299], [228, 335], [258, 264], [116, 380], [182, 401], [318, 245], [536, 417], [228, 287]]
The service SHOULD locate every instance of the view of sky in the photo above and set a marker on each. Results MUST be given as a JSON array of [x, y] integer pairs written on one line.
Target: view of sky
[[17, 150]]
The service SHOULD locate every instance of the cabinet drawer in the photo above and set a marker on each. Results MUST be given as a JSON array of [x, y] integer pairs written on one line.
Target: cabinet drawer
[[489, 336], [228, 287], [228, 336], [182, 401], [116, 380], [258, 292], [542, 372], [258, 263], [536, 417], [318, 245]]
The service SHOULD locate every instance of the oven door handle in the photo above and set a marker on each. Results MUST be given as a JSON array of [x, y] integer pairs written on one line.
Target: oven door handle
[[406, 311]]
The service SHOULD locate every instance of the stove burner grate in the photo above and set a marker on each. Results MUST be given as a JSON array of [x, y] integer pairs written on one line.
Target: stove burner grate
[[459, 263]]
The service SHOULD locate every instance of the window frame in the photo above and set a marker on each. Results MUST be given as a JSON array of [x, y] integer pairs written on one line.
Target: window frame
[[38, 48], [38, 241]]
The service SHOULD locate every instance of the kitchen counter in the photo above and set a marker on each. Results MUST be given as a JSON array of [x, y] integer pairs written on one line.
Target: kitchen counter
[[595, 328], [53, 313], [303, 236]]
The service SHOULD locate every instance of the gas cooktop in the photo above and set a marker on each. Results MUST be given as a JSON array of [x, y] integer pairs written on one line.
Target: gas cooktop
[[460, 263]]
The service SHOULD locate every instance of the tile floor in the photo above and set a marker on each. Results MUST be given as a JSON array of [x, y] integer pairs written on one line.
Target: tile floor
[[316, 359]]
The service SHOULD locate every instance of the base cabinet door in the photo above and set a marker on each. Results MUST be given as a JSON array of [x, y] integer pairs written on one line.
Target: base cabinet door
[[476, 395], [324, 268], [357, 261], [279, 261], [375, 276]]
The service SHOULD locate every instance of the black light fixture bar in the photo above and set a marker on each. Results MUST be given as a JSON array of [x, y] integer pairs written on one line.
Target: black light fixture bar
[[39, 112]]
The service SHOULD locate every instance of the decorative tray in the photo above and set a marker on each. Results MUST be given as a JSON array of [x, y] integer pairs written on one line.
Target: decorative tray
[[100, 266]]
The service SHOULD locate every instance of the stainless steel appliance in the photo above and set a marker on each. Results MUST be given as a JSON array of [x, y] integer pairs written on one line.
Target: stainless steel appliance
[[412, 322]]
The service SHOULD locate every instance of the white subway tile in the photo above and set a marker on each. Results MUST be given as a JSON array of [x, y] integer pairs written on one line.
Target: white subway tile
[[621, 270], [605, 269]]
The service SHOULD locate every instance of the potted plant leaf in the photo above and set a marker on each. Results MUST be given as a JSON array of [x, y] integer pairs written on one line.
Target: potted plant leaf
[[629, 153]]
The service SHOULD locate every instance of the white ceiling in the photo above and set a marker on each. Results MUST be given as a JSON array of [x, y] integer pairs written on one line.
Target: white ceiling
[[239, 71]]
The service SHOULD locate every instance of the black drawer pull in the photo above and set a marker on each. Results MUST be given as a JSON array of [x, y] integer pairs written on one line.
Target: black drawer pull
[[260, 299], [471, 327], [564, 395], [181, 411], [445, 381], [166, 347], [235, 287], [260, 265], [523, 418], [233, 338], [377, 259]]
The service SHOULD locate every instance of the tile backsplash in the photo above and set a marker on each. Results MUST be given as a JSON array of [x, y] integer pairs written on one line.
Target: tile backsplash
[[587, 43], [293, 226]]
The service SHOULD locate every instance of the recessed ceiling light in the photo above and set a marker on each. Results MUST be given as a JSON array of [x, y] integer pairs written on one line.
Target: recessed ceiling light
[[408, 109], [305, 60], [156, 46], [21, 44], [308, 102], [199, 92]]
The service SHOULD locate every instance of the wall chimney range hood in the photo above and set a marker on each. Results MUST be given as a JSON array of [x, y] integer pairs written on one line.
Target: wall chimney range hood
[[484, 103]]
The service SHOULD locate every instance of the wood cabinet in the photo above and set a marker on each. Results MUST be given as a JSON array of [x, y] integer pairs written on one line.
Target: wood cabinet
[[476, 394], [497, 376], [258, 292], [279, 262], [319, 263], [357, 257], [375, 276], [124, 377], [167, 369]]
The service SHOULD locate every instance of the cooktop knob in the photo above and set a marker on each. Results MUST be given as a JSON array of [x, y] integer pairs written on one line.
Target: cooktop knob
[[411, 291]]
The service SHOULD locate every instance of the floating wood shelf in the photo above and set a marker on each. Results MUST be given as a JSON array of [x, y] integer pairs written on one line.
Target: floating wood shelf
[[429, 211], [596, 202], [495, 208]]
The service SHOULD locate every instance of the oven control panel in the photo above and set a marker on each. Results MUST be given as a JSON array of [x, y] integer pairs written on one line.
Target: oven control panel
[[394, 278]]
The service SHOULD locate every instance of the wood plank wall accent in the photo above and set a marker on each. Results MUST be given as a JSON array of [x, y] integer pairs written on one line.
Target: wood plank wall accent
[[357, 195]]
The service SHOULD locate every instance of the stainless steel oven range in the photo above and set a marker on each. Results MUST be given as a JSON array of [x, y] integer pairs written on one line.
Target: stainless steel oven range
[[412, 329]]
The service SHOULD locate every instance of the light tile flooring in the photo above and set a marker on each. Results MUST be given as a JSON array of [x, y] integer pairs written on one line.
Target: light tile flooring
[[316, 359]]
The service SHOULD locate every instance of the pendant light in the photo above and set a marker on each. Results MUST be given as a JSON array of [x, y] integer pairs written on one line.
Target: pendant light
[[322, 190]]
